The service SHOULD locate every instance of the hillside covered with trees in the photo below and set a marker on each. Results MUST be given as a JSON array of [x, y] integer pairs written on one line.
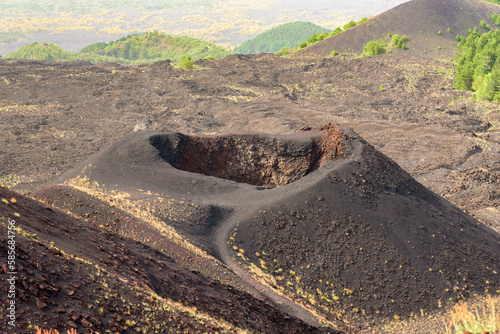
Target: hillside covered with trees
[[287, 35], [157, 46], [316, 37], [477, 64], [135, 49]]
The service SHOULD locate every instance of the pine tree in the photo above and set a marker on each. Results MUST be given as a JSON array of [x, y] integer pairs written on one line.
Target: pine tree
[[493, 84]]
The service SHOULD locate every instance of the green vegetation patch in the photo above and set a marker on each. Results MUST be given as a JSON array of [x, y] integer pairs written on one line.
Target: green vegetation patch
[[145, 48], [399, 42], [155, 46], [372, 48], [477, 65], [321, 36], [286, 35]]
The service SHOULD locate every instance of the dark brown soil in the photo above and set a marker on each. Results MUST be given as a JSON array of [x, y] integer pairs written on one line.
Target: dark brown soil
[[76, 275], [357, 237], [101, 215]]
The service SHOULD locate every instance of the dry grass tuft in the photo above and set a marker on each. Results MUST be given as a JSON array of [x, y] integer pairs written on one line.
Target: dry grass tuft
[[54, 331], [462, 318]]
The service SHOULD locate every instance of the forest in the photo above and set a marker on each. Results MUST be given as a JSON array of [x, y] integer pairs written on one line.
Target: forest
[[287, 35], [477, 64], [136, 49]]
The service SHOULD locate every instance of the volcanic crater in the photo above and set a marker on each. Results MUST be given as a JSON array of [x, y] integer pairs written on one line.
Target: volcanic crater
[[333, 216], [260, 160]]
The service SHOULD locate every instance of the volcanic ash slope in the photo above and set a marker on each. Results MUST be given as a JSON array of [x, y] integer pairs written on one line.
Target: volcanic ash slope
[[320, 216]]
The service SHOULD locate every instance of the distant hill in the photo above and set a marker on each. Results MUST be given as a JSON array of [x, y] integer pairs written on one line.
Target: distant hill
[[432, 27], [44, 51], [157, 45], [144, 48], [286, 35]]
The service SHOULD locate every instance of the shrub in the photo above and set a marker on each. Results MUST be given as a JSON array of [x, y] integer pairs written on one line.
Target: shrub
[[439, 32], [349, 25], [484, 25], [302, 45], [448, 30], [381, 88], [373, 48], [209, 58], [186, 63], [322, 36], [399, 41], [334, 53], [395, 40], [53, 331], [496, 19]]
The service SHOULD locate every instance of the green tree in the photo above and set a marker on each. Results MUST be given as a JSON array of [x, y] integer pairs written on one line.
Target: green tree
[[493, 83], [484, 25], [373, 48], [349, 25], [288, 35], [186, 63]]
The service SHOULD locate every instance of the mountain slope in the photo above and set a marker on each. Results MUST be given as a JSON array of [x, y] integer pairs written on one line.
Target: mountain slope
[[286, 35], [420, 20], [320, 217], [71, 274]]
